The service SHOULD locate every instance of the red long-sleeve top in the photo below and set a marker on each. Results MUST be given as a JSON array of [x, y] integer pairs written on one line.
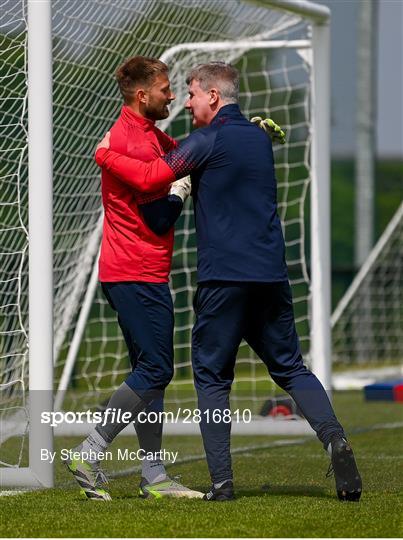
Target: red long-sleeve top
[[130, 251]]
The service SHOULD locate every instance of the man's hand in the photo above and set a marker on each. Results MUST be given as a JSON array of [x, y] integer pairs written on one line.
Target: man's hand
[[181, 188], [105, 143], [271, 128]]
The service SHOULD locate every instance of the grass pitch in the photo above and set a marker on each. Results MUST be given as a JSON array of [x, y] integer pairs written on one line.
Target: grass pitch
[[281, 491]]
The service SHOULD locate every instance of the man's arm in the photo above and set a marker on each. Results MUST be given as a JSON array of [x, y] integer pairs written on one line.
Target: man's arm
[[167, 143], [152, 175], [161, 214], [144, 177]]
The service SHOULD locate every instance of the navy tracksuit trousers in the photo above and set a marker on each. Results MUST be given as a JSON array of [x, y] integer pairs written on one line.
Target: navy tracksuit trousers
[[262, 314], [146, 318]]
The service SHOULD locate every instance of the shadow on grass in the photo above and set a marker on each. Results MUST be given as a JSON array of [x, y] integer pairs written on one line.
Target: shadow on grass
[[127, 496], [262, 491], [296, 490]]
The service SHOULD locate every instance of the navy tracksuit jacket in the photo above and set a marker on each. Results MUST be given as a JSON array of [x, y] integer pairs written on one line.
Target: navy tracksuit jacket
[[239, 235], [243, 290]]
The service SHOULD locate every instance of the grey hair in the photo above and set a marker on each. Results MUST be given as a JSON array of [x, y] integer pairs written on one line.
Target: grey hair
[[218, 75]]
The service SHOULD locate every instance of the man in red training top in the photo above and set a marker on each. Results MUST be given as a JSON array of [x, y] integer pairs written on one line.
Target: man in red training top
[[134, 269]]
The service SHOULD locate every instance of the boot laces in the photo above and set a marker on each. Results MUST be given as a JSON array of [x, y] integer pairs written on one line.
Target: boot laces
[[100, 476], [330, 471]]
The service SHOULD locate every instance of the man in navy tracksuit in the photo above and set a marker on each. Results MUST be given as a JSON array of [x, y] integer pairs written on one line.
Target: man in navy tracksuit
[[243, 289]]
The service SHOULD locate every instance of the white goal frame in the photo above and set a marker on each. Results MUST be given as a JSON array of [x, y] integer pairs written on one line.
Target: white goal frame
[[40, 474], [40, 188]]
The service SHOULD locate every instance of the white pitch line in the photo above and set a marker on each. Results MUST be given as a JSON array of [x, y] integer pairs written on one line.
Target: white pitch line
[[13, 492], [239, 450], [273, 444], [200, 457]]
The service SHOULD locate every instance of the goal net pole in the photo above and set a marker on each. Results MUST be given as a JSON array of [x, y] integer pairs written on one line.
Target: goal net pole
[[320, 332], [320, 207], [317, 13], [40, 472], [40, 171], [237, 47], [80, 328]]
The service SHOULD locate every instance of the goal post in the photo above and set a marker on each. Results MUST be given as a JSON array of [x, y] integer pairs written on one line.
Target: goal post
[[39, 473], [321, 353]]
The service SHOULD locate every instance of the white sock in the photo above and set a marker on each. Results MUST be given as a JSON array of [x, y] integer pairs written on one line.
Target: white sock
[[219, 484], [153, 471], [94, 445]]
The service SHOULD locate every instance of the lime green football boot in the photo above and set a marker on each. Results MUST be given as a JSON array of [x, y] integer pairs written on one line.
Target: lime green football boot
[[90, 478], [167, 488]]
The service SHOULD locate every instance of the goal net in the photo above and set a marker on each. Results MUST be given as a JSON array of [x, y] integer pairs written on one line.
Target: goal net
[[13, 229], [368, 322], [275, 80], [272, 48]]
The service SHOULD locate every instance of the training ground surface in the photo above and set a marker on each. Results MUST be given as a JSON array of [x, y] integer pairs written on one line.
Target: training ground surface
[[281, 491]]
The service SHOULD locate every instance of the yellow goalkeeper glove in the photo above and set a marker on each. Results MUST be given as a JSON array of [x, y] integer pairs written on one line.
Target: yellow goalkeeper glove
[[271, 128]]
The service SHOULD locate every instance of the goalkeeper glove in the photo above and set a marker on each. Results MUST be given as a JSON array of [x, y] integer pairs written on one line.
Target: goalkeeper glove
[[181, 188], [271, 128]]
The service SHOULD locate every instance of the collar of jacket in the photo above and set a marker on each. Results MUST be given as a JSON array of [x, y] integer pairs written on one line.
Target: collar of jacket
[[131, 117], [227, 111]]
